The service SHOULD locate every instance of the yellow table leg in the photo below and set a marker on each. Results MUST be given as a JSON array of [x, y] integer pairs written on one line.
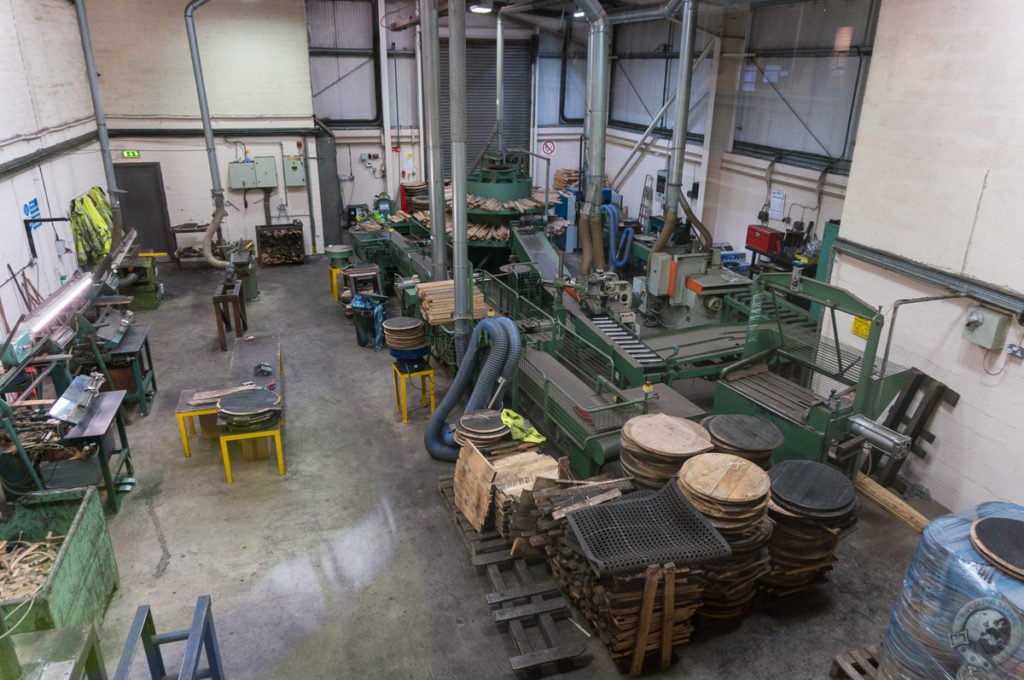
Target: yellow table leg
[[423, 390], [184, 436], [405, 409], [431, 376], [192, 424], [227, 461], [280, 454], [395, 378]]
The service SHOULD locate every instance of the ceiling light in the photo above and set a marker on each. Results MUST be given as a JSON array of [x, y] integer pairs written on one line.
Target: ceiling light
[[485, 7], [578, 14]]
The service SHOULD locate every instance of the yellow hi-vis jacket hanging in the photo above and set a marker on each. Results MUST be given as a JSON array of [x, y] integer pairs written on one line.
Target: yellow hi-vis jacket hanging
[[91, 224]]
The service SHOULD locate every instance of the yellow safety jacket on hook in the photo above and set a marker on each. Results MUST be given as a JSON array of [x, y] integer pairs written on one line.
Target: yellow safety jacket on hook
[[91, 224]]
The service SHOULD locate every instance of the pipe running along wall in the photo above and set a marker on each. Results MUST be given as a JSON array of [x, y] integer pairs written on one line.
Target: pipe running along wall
[[101, 126], [204, 110], [431, 52], [463, 315]]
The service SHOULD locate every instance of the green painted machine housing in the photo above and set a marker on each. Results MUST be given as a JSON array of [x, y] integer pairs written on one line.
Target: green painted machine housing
[[84, 574], [773, 346]]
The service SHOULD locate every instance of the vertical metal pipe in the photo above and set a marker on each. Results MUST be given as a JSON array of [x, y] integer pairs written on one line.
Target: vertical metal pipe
[[457, 94], [499, 76], [309, 191], [390, 168], [598, 54], [211, 153], [673, 192], [432, 125], [101, 124], [419, 97]]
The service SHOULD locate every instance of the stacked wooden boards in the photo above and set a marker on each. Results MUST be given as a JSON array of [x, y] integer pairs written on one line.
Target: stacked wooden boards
[[478, 477], [811, 505], [540, 518], [405, 333], [437, 301], [655, 446], [733, 494], [634, 615], [746, 436]]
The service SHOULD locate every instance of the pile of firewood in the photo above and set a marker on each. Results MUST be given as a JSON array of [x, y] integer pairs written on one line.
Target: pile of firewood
[[569, 177], [635, 614], [520, 205], [510, 486], [474, 232], [540, 520], [281, 245], [437, 300]]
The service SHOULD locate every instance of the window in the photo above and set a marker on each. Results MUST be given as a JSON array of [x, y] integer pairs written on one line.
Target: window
[[645, 69], [800, 92], [343, 64]]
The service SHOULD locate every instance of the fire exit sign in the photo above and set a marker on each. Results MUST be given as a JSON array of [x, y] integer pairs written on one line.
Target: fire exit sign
[[131, 154]]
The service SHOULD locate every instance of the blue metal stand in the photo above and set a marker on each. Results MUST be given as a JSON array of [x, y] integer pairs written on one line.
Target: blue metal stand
[[197, 638]]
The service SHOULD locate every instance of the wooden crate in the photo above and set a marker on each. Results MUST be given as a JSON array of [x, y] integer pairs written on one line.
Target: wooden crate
[[859, 664], [83, 576]]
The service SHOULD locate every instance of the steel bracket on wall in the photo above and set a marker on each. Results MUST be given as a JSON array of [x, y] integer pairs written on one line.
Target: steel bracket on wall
[[997, 296]]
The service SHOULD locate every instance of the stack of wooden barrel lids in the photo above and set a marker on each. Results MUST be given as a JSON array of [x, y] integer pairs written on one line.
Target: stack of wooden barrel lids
[[746, 436], [733, 494], [417, 195], [812, 505], [404, 333], [483, 428], [655, 446]]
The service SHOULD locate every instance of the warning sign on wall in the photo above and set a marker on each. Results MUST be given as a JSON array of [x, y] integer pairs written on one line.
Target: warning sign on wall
[[548, 147]]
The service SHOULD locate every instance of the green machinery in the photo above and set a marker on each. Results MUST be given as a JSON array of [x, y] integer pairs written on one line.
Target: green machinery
[[140, 278], [817, 390], [242, 256]]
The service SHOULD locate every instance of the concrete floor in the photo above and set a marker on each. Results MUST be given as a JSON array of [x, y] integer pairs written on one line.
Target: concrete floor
[[349, 566]]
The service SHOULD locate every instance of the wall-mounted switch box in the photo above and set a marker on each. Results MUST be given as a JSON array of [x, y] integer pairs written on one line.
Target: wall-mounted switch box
[[986, 327], [261, 173], [294, 172]]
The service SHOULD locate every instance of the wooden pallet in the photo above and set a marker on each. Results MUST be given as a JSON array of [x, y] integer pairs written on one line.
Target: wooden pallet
[[478, 543], [530, 611], [860, 664]]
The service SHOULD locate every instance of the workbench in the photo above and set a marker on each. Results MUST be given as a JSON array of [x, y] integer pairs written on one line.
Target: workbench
[[133, 352], [97, 427]]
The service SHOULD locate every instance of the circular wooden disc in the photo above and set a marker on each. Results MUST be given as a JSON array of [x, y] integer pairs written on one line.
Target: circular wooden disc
[[1000, 540], [744, 433], [667, 436], [248, 402], [402, 323], [810, 487], [725, 478], [483, 422]]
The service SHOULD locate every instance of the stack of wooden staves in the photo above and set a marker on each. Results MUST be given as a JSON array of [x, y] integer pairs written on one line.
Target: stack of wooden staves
[[569, 177], [732, 493], [812, 505], [655, 446], [25, 566], [437, 301], [748, 437], [637, 610], [417, 195], [540, 518], [280, 244]]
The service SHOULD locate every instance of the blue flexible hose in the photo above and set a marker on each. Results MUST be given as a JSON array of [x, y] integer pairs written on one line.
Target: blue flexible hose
[[515, 348], [625, 244], [491, 368]]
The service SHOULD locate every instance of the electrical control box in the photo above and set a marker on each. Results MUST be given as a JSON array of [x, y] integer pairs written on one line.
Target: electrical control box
[[659, 279], [986, 327], [294, 172], [261, 173]]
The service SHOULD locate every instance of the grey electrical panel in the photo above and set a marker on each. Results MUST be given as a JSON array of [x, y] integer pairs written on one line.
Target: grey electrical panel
[[261, 173], [294, 172]]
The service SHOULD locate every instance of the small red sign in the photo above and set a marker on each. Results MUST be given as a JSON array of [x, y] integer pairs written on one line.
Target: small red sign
[[548, 147]]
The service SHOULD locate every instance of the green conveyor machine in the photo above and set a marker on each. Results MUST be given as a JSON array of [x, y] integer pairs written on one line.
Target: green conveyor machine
[[816, 389]]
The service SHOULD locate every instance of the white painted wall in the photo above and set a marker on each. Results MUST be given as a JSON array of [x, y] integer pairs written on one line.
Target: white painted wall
[[44, 100], [256, 68], [935, 178]]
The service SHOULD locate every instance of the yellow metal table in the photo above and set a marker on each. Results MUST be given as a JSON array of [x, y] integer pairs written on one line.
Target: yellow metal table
[[400, 389]]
